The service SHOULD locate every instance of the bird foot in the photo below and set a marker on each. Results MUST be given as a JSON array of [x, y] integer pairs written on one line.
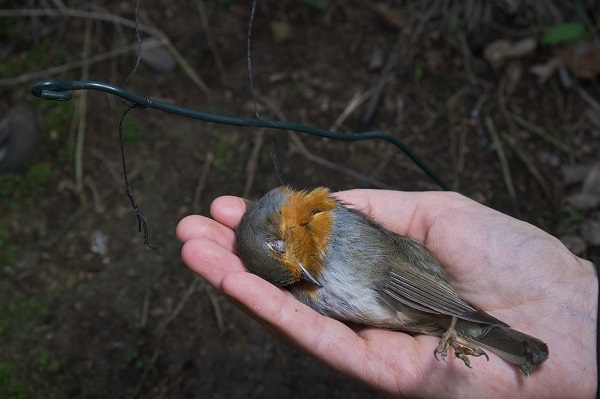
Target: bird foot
[[462, 347]]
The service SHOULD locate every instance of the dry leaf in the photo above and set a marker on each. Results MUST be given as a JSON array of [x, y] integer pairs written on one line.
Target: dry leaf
[[582, 58], [282, 32], [391, 16], [545, 71], [495, 52], [498, 52], [512, 76], [158, 58]]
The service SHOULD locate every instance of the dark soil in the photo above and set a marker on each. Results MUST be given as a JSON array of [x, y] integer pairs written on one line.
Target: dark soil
[[89, 311]]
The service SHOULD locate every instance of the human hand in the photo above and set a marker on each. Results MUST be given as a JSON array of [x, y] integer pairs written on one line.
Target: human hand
[[505, 267]]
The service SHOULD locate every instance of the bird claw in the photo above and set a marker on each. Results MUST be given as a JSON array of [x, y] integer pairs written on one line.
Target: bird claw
[[462, 348], [442, 351]]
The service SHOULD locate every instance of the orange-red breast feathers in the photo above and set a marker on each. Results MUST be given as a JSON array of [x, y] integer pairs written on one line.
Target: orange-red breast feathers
[[305, 227]]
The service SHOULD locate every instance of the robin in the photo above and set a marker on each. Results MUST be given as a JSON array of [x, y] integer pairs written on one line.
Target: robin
[[346, 266]]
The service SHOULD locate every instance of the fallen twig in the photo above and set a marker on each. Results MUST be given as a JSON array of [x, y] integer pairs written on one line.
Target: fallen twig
[[211, 42], [26, 77], [526, 161], [201, 182], [82, 114], [386, 74], [354, 103], [101, 16], [302, 150], [192, 288], [502, 157], [214, 301], [160, 330], [398, 52], [524, 123]]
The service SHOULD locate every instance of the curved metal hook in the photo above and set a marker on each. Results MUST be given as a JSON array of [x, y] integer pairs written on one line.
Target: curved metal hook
[[61, 90]]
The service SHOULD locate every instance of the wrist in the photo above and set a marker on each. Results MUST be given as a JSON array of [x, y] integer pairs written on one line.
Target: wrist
[[592, 271], [590, 314]]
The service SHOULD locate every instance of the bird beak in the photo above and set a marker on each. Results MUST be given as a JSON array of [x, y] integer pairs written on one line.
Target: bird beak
[[306, 276]]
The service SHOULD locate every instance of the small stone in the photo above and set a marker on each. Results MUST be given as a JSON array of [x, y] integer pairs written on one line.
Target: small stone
[[158, 59], [573, 174], [377, 57], [501, 50], [513, 74], [281, 32], [19, 140]]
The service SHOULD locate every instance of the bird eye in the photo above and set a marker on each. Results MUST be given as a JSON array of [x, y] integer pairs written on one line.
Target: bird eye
[[277, 246]]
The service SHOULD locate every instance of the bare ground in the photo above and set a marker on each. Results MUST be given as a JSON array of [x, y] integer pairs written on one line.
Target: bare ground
[[91, 312]]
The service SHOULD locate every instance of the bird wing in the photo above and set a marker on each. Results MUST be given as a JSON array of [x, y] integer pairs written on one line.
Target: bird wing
[[432, 295]]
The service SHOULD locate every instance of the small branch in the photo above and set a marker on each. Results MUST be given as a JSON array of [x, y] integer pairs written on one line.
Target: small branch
[[82, 114], [386, 75], [201, 183], [302, 150], [192, 288], [354, 103], [526, 161], [524, 123], [211, 42], [101, 16], [502, 157], [401, 49], [160, 331], [145, 307], [26, 77], [214, 301]]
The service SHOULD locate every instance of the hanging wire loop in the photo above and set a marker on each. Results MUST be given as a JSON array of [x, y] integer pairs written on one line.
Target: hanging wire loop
[[60, 90]]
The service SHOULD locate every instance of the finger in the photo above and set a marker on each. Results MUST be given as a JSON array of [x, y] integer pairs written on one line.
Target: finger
[[228, 210], [210, 260], [196, 226]]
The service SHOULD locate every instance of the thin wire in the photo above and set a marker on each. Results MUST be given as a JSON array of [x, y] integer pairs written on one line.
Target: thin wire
[[138, 39], [249, 58], [62, 91], [274, 161], [142, 225], [270, 138]]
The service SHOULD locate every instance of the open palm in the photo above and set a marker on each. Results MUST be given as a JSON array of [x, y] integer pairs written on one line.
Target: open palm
[[506, 267]]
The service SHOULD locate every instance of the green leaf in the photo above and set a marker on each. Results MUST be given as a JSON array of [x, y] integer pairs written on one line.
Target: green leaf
[[317, 5], [565, 33]]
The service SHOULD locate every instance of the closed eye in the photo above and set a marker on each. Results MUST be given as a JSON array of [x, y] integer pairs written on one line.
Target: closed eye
[[277, 246]]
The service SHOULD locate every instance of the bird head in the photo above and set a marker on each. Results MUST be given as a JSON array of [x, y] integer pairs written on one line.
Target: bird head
[[283, 237]]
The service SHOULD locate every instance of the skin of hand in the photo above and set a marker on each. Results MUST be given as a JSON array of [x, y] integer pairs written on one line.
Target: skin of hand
[[506, 267]]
